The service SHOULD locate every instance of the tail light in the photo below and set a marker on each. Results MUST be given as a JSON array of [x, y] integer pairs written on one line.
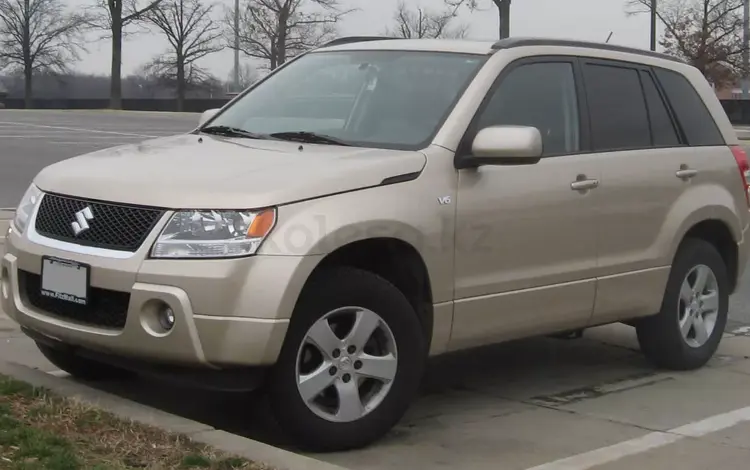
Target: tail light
[[740, 156]]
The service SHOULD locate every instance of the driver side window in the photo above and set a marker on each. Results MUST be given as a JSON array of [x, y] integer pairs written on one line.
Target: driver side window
[[542, 95]]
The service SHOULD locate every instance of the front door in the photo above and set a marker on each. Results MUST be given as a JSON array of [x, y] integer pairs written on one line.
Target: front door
[[526, 239]]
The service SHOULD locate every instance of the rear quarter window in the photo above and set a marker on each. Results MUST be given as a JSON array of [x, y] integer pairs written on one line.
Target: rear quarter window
[[691, 112]]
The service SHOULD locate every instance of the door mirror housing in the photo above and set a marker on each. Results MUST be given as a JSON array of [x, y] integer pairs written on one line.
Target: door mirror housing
[[207, 114], [506, 145]]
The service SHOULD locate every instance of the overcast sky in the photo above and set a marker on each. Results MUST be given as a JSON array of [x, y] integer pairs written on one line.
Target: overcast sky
[[578, 19]]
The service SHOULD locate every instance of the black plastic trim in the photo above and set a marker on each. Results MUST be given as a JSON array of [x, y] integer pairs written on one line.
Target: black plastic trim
[[400, 178], [231, 379], [523, 42], [354, 39]]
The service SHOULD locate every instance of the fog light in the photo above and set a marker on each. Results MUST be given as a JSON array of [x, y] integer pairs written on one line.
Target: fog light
[[166, 318]]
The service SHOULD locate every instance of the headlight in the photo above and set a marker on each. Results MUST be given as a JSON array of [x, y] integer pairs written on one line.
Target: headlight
[[26, 207], [214, 234]]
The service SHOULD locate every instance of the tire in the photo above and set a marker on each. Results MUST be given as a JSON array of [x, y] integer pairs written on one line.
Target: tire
[[661, 337], [81, 367], [315, 427]]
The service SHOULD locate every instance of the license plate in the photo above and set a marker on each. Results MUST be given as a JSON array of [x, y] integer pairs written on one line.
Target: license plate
[[65, 280]]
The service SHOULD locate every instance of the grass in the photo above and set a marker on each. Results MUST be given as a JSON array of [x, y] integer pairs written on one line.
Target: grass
[[41, 431]]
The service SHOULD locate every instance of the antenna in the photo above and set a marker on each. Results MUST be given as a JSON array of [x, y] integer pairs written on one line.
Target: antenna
[[609, 37]]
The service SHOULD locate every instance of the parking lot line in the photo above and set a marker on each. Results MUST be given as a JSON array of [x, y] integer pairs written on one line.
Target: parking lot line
[[648, 442], [74, 129]]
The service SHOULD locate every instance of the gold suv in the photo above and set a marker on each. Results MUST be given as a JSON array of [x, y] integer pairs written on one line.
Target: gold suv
[[376, 201]]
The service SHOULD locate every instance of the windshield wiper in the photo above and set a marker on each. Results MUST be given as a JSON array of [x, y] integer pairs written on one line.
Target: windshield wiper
[[228, 131], [309, 137]]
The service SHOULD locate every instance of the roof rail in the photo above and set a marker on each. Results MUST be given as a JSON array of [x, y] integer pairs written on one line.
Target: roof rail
[[520, 42], [353, 39]]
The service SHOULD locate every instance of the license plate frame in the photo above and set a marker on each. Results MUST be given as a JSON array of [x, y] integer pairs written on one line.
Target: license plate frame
[[54, 285]]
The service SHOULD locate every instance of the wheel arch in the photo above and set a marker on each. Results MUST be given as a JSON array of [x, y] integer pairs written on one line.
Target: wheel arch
[[718, 233], [393, 259]]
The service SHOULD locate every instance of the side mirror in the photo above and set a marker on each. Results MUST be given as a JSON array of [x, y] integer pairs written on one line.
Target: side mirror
[[502, 145], [207, 114]]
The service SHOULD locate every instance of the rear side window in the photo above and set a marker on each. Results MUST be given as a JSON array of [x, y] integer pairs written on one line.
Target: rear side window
[[662, 128], [694, 118], [619, 119]]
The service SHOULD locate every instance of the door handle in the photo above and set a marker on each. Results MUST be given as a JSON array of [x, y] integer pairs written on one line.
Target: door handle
[[582, 184], [685, 173]]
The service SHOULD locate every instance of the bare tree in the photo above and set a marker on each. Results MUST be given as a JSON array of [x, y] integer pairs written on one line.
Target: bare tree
[[162, 71], [277, 30], [421, 23], [114, 17], [705, 33], [38, 36], [503, 10], [192, 35]]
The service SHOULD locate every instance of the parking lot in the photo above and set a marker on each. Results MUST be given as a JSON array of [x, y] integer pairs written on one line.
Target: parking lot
[[31, 140], [541, 403]]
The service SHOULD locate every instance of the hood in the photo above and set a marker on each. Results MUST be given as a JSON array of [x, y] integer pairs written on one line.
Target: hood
[[207, 172]]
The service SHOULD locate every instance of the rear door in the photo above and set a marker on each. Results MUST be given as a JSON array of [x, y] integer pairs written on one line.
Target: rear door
[[648, 158]]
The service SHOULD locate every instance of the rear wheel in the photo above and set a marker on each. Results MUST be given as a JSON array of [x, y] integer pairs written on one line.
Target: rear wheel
[[688, 330], [351, 363], [81, 367]]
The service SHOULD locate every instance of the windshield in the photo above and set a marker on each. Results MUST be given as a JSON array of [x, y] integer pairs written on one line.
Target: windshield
[[382, 99]]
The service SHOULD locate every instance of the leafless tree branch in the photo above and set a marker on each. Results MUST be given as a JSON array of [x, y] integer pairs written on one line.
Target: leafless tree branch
[[418, 22], [118, 18], [705, 33], [192, 35], [277, 30], [38, 36]]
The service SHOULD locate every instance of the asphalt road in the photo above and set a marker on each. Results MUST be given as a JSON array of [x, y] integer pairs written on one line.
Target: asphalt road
[[32, 140]]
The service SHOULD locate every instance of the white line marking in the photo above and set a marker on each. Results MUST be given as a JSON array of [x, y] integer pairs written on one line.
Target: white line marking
[[74, 129], [648, 442], [58, 136], [112, 143]]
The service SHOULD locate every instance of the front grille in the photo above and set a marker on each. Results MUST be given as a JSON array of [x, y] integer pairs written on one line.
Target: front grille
[[106, 308], [113, 226]]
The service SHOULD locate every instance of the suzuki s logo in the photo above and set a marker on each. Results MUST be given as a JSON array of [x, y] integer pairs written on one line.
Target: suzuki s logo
[[81, 224]]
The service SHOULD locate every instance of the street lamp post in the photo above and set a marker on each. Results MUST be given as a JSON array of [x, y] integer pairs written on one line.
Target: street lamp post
[[503, 7], [653, 25]]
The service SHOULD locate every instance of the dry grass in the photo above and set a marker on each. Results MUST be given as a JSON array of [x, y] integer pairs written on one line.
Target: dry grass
[[41, 431]]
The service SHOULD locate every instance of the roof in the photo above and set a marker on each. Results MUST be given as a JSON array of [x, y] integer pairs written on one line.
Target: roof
[[437, 45], [477, 47]]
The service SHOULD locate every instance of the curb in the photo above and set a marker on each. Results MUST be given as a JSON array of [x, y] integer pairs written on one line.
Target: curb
[[201, 433]]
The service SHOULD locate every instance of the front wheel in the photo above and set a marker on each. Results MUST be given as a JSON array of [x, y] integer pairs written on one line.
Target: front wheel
[[688, 330], [351, 363]]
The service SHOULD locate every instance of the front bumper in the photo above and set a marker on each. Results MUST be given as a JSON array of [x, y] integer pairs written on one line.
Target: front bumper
[[228, 313]]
